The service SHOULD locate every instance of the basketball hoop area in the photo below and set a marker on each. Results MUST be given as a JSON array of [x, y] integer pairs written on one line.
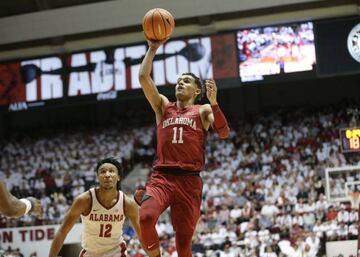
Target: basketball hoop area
[[342, 186]]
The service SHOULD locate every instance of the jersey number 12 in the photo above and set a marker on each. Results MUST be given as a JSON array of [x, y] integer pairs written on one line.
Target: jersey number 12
[[105, 230]]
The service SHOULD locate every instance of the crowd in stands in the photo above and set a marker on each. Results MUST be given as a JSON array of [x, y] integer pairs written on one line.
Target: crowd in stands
[[263, 191], [9, 252]]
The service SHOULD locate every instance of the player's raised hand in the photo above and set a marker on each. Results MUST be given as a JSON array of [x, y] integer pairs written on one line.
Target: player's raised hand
[[211, 91], [139, 195], [156, 43]]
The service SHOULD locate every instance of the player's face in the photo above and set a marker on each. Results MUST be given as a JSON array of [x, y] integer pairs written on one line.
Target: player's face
[[186, 88], [108, 176]]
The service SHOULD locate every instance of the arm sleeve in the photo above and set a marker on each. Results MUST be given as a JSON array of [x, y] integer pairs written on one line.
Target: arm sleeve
[[220, 124]]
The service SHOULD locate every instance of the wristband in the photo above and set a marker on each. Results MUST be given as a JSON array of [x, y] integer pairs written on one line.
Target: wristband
[[28, 205]]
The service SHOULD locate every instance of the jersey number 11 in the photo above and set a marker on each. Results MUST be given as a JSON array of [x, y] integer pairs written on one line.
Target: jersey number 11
[[176, 140]]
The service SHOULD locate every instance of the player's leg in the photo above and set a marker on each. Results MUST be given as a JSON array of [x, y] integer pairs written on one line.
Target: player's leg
[[184, 222], [149, 214], [183, 244], [156, 199], [185, 213]]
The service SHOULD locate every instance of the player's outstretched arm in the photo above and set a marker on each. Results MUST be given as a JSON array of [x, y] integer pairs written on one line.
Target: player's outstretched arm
[[80, 205], [132, 212], [12, 207], [212, 113], [156, 100]]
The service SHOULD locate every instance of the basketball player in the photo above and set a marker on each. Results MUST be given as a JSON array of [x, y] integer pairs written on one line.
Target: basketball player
[[102, 211], [13, 207], [181, 132]]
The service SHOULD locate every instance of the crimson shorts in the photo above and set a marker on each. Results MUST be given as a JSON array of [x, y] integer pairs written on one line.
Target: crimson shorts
[[182, 193]]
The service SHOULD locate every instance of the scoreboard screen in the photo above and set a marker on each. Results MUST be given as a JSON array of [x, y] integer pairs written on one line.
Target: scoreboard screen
[[350, 139], [275, 50]]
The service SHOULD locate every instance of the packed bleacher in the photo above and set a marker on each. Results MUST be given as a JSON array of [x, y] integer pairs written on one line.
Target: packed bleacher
[[263, 191]]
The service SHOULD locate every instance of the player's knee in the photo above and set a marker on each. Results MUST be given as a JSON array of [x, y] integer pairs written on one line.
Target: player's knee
[[147, 217]]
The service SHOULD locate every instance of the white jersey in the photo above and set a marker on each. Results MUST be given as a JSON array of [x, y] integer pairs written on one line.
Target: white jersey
[[103, 227]]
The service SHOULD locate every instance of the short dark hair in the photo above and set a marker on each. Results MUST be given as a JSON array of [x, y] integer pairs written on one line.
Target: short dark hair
[[199, 85], [114, 162]]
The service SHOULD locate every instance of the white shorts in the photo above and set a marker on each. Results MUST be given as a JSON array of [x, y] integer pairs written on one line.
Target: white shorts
[[118, 251]]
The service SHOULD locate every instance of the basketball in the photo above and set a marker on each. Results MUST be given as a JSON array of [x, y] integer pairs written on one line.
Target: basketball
[[158, 24]]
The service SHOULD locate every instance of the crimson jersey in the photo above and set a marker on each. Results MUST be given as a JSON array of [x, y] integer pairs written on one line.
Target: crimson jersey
[[180, 139]]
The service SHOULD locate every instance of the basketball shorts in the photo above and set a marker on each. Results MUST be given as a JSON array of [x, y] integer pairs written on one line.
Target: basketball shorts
[[182, 193]]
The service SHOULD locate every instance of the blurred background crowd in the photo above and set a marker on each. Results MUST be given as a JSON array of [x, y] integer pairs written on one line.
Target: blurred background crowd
[[263, 192]]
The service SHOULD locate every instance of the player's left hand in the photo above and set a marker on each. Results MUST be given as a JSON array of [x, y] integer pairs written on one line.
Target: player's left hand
[[156, 43], [36, 209], [139, 195], [211, 91]]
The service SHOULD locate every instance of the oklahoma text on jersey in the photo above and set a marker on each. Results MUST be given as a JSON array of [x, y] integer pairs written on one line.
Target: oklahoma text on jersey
[[180, 120]]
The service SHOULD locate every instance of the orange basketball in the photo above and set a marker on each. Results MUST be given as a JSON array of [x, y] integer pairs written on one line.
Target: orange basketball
[[158, 24]]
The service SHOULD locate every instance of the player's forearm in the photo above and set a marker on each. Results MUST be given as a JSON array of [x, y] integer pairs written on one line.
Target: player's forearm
[[144, 248], [136, 227], [57, 244], [9, 205], [17, 208], [13, 208], [146, 65], [133, 215]]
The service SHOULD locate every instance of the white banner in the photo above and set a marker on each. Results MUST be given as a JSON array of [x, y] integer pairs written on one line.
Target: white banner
[[345, 248], [36, 239], [103, 71]]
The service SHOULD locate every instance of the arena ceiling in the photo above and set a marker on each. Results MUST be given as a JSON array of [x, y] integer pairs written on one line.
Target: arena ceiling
[[24, 32], [18, 7]]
